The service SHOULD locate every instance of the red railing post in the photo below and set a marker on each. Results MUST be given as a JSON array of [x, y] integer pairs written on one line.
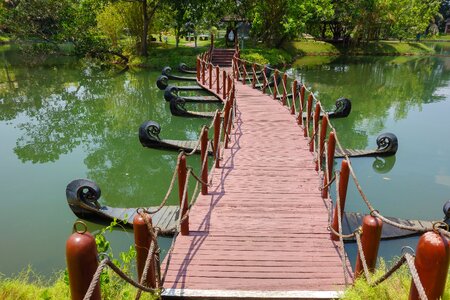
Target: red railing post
[[275, 84], [225, 120], [264, 87], [316, 117], [301, 105], [283, 99], [142, 242], [210, 75], [204, 160], [342, 189], [432, 262], [308, 115], [244, 72], [224, 84], [182, 175], [81, 258], [217, 79], [198, 68], [329, 164], [203, 72], [323, 133], [294, 96], [230, 82], [370, 240], [253, 75], [216, 145]]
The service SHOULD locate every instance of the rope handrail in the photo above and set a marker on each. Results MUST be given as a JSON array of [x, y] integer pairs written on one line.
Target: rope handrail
[[353, 173]]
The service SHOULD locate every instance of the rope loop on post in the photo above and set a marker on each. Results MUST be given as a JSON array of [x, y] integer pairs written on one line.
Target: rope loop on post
[[74, 228]]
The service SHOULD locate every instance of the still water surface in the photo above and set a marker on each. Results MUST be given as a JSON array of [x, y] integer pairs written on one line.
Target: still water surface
[[61, 119]]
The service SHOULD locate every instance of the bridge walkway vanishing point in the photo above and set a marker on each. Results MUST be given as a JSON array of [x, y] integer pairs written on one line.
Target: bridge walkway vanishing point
[[261, 231]]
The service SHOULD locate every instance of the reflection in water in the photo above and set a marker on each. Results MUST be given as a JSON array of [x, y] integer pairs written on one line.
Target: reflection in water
[[383, 165]]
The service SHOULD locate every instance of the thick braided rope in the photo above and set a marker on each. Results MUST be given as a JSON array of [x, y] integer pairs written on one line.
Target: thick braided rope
[[362, 257], [415, 277], [95, 279]]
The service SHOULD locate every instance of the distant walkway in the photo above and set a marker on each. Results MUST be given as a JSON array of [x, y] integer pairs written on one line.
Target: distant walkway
[[262, 229]]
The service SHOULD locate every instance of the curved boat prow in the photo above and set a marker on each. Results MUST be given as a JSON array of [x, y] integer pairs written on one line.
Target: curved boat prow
[[387, 145], [167, 71]]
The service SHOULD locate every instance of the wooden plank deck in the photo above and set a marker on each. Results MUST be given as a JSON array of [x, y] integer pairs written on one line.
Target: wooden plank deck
[[261, 232]]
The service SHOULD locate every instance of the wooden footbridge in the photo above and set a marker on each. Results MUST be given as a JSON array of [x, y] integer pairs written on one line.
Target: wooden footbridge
[[263, 225], [261, 230]]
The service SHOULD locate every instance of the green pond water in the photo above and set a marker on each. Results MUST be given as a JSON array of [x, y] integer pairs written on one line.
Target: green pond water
[[63, 119]]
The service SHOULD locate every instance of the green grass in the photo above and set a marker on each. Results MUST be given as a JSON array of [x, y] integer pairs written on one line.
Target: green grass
[[296, 48], [29, 286], [303, 48], [161, 57], [276, 57], [396, 287]]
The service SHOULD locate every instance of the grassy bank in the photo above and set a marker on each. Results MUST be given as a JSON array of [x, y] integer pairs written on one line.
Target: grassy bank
[[302, 48]]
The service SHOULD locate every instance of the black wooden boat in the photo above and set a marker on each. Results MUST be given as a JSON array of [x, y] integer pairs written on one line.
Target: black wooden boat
[[167, 71], [172, 92], [83, 196], [149, 137], [177, 108], [387, 145], [182, 67], [163, 82], [343, 107]]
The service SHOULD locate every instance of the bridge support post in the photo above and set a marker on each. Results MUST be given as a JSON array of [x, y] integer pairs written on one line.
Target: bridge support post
[[283, 99], [312, 142], [275, 84], [198, 68], [182, 175], [142, 243], [308, 115], [323, 132], [81, 258], [370, 240], [342, 190], [432, 262], [217, 80], [329, 164], [204, 160], [216, 145], [224, 84], [210, 75]]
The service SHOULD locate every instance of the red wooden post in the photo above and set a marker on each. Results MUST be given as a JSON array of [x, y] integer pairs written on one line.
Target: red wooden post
[[323, 133], [275, 84], [301, 105], [217, 79], [81, 258], [198, 68], [182, 174], [254, 75], [283, 99], [230, 116], [330, 161], [370, 240], [315, 129], [225, 120], [265, 80], [224, 84], [203, 72], [230, 83], [142, 241], [432, 262], [204, 160], [210, 75], [294, 96], [244, 73], [343, 184], [308, 115], [216, 146], [302, 96]]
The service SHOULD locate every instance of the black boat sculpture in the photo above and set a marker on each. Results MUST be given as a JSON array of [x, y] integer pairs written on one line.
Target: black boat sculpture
[[167, 71], [177, 108], [163, 82], [149, 137], [182, 67], [387, 145], [83, 195], [343, 107], [172, 92]]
